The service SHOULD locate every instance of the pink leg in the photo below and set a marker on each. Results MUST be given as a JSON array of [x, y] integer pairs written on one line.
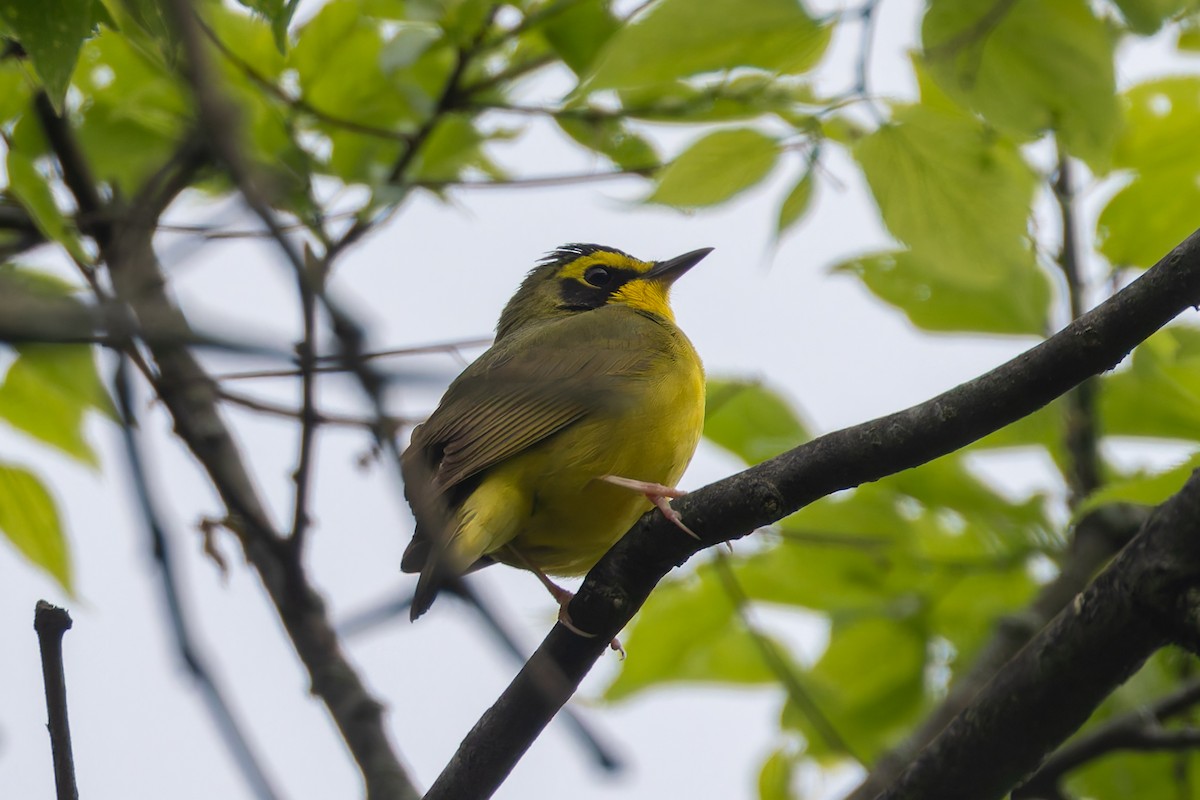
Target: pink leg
[[563, 597], [657, 494]]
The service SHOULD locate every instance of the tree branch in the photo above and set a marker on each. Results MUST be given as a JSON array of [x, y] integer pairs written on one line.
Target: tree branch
[[51, 622], [619, 584], [1136, 730], [1144, 600], [1097, 537]]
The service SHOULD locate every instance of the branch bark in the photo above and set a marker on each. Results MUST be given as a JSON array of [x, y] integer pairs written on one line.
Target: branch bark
[[51, 622], [1143, 601], [735, 506]]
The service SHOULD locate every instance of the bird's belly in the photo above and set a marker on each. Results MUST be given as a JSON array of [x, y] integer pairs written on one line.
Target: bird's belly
[[573, 516]]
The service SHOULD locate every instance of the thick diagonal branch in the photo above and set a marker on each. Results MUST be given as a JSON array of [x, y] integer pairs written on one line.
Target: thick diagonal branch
[[737, 505]]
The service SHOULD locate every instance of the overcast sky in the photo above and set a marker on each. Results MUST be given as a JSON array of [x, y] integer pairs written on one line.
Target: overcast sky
[[442, 272]]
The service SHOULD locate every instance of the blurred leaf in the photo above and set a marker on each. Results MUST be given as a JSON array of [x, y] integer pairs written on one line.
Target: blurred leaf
[[775, 777], [454, 145], [29, 520], [33, 191], [715, 168], [1029, 67], [678, 38], [51, 33], [1158, 394], [936, 299], [135, 114], [14, 90], [46, 392], [339, 41], [1144, 488], [960, 197], [750, 420], [1157, 210], [869, 683], [611, 137], [796, 204], [278, 13], [688, 632], [1147, 16], [579, 32]]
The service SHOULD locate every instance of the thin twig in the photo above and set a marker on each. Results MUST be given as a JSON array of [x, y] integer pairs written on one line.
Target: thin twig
[[190, 652], [780, 666], [51, 622], [1081, 412]]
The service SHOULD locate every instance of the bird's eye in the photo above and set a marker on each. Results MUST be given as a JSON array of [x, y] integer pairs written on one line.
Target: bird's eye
[[597, 276]]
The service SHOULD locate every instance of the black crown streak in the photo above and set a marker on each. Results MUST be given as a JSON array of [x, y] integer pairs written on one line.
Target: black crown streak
[[569, 252]]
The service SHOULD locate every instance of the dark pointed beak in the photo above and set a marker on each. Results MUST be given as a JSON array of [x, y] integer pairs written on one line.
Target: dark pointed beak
[[668, 271]]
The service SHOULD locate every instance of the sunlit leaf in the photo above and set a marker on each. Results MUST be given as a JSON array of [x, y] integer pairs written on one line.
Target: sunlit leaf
[[579, 32], [715, 168], [796, 204], [32, 189], [1158, 394], [1143, 488], [1157, 210], [678, 38], [51, 34], [955, 192], [937, 299], [1029, 67], [1147, 16], [750, 420], [29, 520], [688, 632]]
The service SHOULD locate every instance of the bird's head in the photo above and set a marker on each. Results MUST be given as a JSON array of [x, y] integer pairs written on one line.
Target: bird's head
[[577, 278]]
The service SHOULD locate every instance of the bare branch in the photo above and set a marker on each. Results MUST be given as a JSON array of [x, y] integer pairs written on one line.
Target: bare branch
[[1136, 730], [51, 622]]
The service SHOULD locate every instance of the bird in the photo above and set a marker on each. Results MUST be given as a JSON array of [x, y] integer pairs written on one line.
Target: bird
[[581, 416]]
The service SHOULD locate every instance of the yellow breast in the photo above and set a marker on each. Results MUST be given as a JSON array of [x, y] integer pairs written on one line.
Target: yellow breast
[[547, 503]]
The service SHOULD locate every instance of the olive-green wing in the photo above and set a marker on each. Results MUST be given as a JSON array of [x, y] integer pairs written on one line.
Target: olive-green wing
[[530, 389], [523, 391]]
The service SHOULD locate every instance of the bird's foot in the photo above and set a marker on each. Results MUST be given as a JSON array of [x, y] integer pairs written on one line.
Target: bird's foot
[[657, 494], [564, 597]]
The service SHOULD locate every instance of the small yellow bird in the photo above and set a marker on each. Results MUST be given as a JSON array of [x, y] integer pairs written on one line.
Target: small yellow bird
[[589, 391]]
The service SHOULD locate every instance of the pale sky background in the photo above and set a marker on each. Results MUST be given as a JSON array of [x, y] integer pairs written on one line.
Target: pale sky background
[[442, 272]]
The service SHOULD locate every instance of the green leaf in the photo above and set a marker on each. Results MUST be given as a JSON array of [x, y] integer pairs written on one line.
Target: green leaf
[[936, 299], [29, 520], [341, 41], [796, 204], [1029, 67], [678, 38], [750, 420], [579, 32], [278, 13], [33, 191], [870, 681], [1143, 488], [1157, 210], [959, 196], [688, 632], [1158, 395], [46, 392], [1147, 16], [611, 137], [715, 168], [14, 90], [51, 33], [136, 111], [952, 190], [775, 777]]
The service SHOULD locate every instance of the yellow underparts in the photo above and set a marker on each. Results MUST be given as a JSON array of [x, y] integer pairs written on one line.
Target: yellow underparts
[[547, 502]]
